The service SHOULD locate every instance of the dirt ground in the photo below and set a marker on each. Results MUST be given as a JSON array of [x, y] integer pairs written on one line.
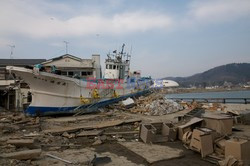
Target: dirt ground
[[61, 137]]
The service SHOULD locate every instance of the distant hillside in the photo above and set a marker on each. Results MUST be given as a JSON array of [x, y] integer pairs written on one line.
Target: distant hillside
[[234, 73]]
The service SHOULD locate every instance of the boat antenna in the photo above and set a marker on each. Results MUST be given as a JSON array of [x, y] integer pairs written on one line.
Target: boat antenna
[[123, 48], [131, 48], [11, 50], [66, 46]]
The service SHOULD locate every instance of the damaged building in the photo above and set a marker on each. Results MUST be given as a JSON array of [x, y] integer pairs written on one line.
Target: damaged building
[[12, 96]]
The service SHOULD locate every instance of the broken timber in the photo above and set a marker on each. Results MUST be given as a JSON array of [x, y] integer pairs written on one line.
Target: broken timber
[[90, 133], [21, 142], [121, 133], [23, 155], [100, 125]]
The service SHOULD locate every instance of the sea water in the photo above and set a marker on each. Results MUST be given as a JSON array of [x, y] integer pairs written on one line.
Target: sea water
[[213, 95]]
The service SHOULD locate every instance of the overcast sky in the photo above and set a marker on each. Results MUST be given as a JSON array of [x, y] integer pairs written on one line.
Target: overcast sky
[[167, 37]]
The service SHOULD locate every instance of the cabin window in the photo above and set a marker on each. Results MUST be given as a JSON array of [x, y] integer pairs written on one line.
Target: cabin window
[[87, 73], [52, 81], [64, 73], [84, 73], [2, 76], [114, 67], [107, 66], [110, 66], [77, 73], [3, 73], [70, 73], [118, 67]]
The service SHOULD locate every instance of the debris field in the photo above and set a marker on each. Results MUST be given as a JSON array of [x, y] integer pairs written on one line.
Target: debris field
[[149, 130]]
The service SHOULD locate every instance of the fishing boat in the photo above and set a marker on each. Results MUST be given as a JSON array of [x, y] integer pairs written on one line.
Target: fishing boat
[[58, 94]]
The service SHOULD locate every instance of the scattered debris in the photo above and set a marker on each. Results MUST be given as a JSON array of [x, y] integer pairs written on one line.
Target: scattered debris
[[243, 115], [221, 123], [189, 126], [204, 128], [97, 142], [153, 153], [128, 103], [202, 141], [58, 158], [67, 135], [219, 146], [229, 161], [239, 149], [158, 132], [186, 139]]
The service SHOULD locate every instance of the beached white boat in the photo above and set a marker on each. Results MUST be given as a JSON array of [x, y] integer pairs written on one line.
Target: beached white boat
[[57, 94]]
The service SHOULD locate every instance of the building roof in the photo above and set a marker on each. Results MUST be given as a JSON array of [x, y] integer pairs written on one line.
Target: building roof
[[65, 55], [20, 62]]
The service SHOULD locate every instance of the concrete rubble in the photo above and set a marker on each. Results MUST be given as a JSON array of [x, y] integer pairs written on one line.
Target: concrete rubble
[[156, 105], [151, 130]]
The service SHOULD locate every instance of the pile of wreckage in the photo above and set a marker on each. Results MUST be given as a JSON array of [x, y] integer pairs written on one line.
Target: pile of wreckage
[[154, 104], [210, 135], [203, 128], [31, 140]]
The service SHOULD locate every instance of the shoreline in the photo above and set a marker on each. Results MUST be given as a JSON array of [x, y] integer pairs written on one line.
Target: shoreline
[[201, 90]]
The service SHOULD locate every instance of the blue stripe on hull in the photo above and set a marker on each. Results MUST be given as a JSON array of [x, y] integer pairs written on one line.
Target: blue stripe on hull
[[43, 111]]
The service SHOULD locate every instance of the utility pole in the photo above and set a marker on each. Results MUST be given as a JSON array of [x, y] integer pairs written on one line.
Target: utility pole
[[66, 46], [11, 50]]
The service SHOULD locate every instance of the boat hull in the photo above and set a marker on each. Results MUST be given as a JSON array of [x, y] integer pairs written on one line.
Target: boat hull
[[44, 111], [56, 94]]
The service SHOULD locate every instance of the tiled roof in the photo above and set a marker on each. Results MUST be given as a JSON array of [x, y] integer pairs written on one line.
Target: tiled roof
[[20, 62]]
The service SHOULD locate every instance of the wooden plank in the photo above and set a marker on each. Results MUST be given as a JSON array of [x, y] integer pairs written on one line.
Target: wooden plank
[[23, 155], [90, 133], [121, 133], [131, 121], [98, 125], [21, 142], [63, 129], [73, 119]]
